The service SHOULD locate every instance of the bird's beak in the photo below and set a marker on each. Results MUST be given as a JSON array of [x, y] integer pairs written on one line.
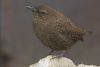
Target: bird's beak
[[29, 7]]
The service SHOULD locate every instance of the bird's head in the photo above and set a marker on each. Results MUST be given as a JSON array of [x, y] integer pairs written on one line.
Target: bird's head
[[43, 11]]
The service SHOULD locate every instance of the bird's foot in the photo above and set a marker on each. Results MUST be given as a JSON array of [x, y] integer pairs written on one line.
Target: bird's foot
[[50, 53], [57, 55]]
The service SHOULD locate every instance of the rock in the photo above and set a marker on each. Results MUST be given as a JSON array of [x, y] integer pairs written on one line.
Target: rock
[[54, 61]]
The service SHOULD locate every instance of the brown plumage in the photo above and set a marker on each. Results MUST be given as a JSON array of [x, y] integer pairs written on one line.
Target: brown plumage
[[54, 29]]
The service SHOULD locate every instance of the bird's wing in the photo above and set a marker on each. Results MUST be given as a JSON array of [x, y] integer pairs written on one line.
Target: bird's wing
[[71, 31]]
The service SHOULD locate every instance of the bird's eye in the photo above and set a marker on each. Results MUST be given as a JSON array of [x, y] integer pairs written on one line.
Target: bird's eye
[[43, 12]]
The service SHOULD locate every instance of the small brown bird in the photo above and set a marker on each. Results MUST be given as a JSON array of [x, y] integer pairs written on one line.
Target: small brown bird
[[54, 29]]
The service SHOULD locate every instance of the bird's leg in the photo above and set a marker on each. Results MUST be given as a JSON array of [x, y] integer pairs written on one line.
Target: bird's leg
[[51, 52], [59, 55], [62, 54]]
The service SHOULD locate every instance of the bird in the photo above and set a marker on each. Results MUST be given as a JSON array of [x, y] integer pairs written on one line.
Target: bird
[[54, 29]]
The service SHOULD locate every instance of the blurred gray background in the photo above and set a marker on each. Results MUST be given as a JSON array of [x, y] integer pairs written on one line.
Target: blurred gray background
[[17, 38]]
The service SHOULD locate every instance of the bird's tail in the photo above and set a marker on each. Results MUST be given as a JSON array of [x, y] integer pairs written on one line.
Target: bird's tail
[[86, 32]]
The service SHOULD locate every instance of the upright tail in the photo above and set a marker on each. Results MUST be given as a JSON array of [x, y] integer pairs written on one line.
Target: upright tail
[[86, 32]]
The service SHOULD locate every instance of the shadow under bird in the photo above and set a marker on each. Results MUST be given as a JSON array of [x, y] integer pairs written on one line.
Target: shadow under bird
[[55, 30]]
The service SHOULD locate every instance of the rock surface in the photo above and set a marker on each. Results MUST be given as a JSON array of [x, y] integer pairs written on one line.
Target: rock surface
[[54, 61]]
